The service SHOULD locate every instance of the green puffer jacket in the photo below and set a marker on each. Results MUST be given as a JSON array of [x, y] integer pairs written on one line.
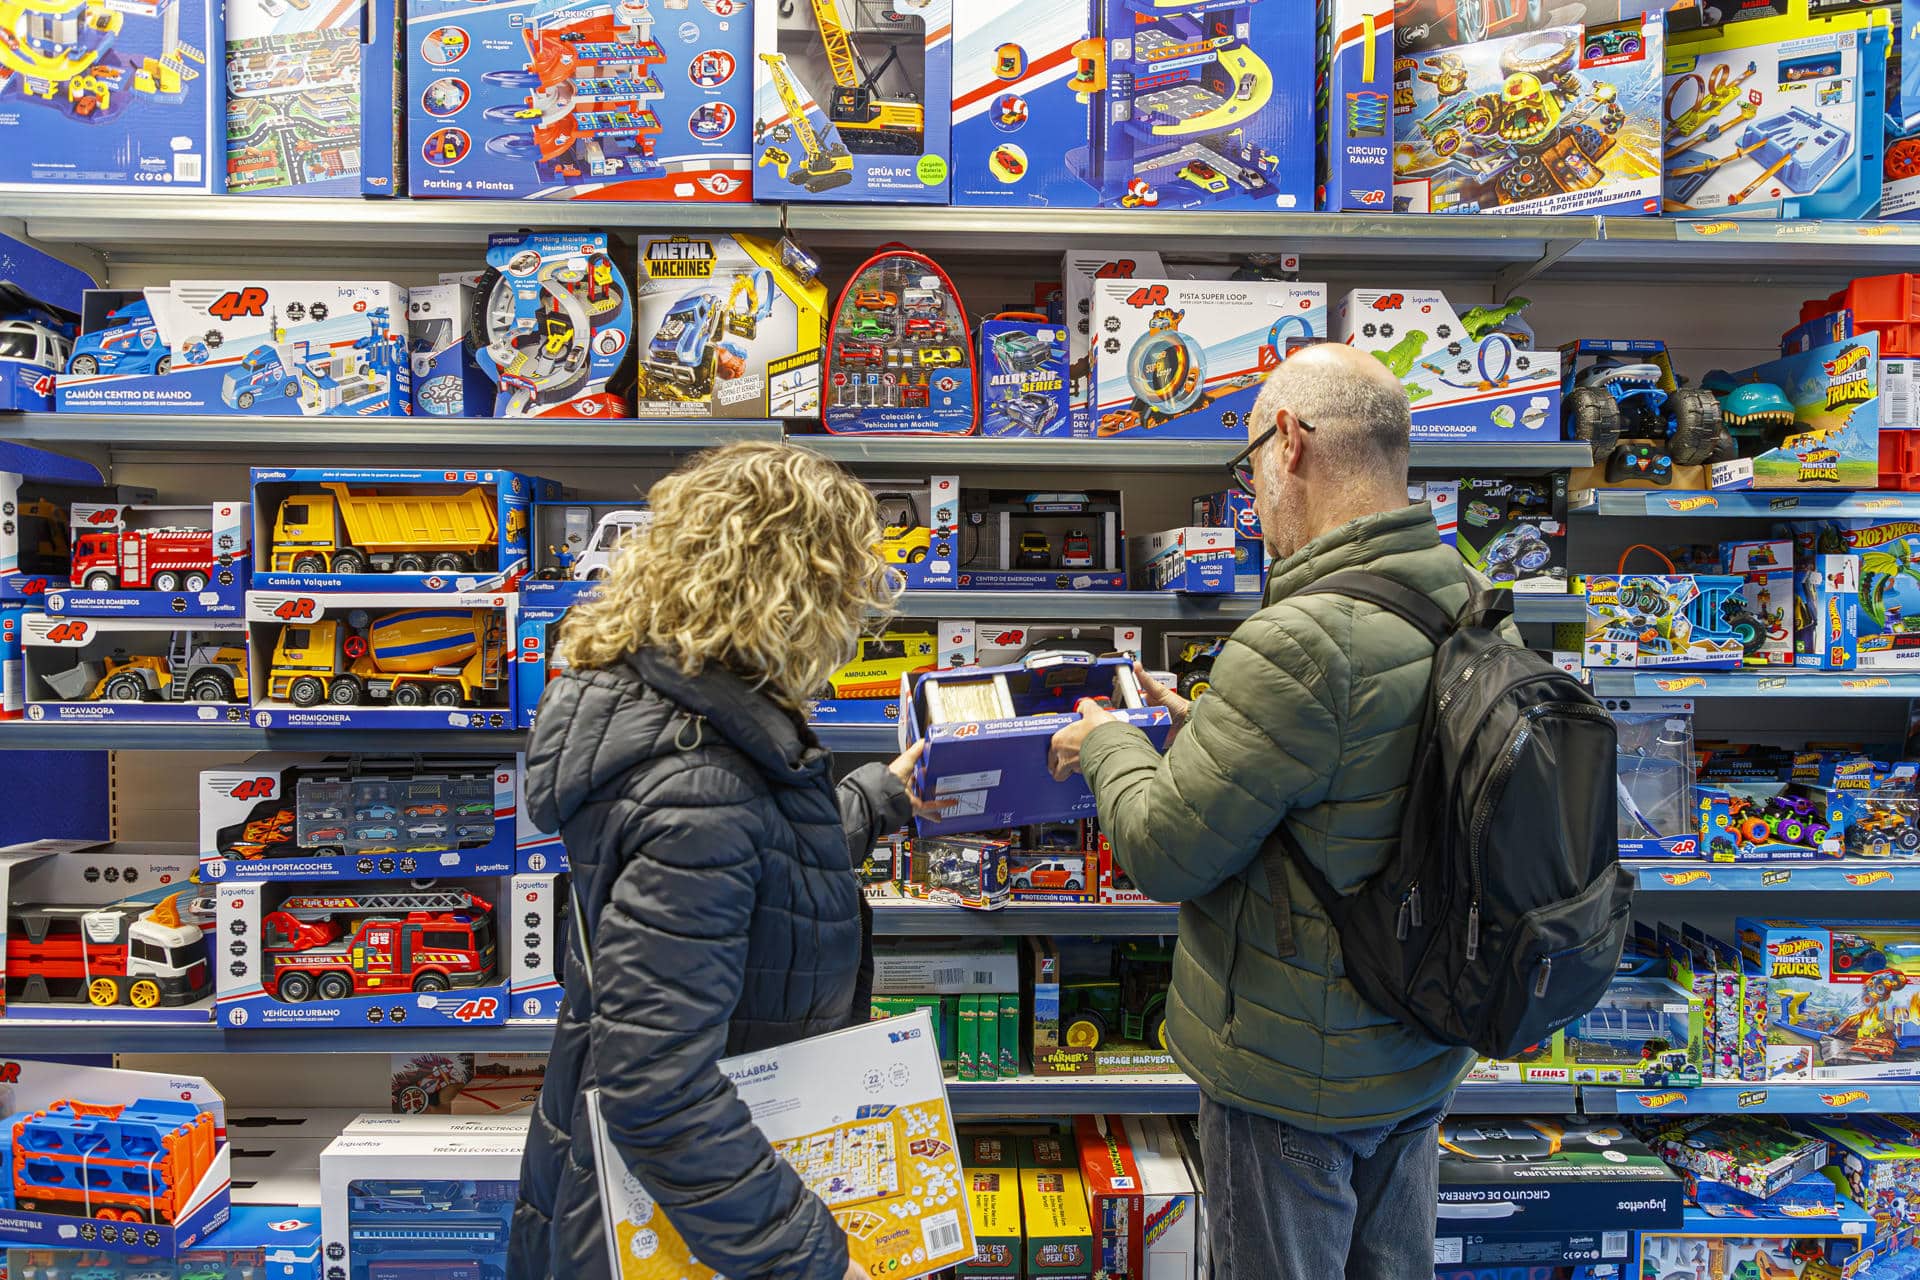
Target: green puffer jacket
[[1313, 716]]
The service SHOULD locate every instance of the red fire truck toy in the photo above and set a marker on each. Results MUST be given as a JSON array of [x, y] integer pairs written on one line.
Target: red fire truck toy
[[172, 559], [134, 1162], [124, 954], [341, 945]]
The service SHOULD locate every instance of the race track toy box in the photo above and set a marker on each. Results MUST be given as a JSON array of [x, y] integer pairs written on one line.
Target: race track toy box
[[728, 328], [1079, 270], [134, 560], [1870, 576], [1468, 377], [1023, 376], [1778, 118], [134, 670], [285, 348], [433, 1202], [1843, 992], [862, 1116], [1827, 618], [37, 493], [1100, 104], [1560, 121], [1183, 359], [114, 97], [313, 103], [360, 954], [1834, 439], [826, 128], [129, 1162], [1353, 97], [578, 100], [293, 818]]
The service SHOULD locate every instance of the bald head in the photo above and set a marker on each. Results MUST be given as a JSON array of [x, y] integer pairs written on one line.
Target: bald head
[[1357, 408]]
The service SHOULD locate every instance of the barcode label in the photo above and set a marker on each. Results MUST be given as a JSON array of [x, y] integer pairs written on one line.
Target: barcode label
[[1613, 1244], [949, 977], [1449, 1250], [186, 167], [942, 1232], [983, 977], [1896, 394]]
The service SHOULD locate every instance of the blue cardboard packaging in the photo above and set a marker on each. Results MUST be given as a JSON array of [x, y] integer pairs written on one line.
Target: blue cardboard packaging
[[543, 606], [1044, 541], [1234, 510], [134, 670], [158, 562], [1193, 560], [447, 379], [533, 969], [39, 310], [1353, 106], [38, 489], [1023, 377], [1826, 632]]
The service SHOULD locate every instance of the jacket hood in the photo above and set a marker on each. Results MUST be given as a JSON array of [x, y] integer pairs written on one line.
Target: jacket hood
[[595, 725]]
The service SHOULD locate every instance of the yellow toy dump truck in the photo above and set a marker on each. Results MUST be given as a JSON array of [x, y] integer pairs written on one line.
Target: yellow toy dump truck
[[409, 658], [344, 530]]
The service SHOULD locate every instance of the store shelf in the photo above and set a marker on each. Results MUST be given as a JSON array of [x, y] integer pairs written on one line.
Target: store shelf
[[914, 918], [1513, 1100], [1828, 1098], [1069, 1095], [27, 1039], [29, 736], [966, 453], [218, 434], [1077, 606], [1702, 248], [1746, 684], [1528, 607], [1743, 505], [1845, 875]]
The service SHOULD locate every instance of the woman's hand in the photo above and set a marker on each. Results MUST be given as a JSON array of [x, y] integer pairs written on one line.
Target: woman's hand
[[902, 770]]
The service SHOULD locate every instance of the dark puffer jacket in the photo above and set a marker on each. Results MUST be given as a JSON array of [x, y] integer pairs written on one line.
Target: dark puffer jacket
[[712, 876]]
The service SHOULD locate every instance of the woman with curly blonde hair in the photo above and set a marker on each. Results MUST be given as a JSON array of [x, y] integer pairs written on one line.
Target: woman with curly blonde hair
[[715, 905]]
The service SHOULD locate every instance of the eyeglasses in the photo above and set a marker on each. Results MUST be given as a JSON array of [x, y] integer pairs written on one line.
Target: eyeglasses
[[1241, 468]]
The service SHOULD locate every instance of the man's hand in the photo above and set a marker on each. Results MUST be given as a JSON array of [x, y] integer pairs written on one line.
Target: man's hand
[[902, 769], [1158, 695], [1063, 756]]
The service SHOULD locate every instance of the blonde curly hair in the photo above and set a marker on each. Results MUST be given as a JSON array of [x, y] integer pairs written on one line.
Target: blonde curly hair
[[761, 558]]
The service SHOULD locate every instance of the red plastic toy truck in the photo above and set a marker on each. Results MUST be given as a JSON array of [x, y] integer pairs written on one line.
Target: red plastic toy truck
[[143, 560], [335, 946]]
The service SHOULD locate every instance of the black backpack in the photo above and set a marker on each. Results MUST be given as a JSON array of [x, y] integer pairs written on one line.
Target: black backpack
[[1502, 913]]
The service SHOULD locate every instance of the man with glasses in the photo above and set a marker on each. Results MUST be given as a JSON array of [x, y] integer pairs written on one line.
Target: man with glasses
[[1317, 1110]]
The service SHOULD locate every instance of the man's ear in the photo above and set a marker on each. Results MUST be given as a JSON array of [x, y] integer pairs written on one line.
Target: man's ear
[[1296, 440]]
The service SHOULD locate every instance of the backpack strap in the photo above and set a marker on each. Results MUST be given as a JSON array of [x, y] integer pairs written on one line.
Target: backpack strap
[[1419, 611]]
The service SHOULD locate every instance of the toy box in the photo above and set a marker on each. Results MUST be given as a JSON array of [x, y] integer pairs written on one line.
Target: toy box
[[947, 966], [1558, 121], [578, 100], [573, 544], [1778, 118], [163, 562], [1140, 1199], [1053, 1201], [987, 730], [1767, 585], [1714, 1250], [361, 954], [1827, 616], [447, 379], [1836, 991], [134, 670], [103, 933], [962, 871], [1023, 376], [437, 1202], [264, 1240], [482, 1091], [1670, 620], [313, 99], [1054, 862], [1353, 88], [996, 644], [396, 529], [1067, 540], [1642, 1027], [1514, 530], [540, 610], [1097, 104], [1079, 270], [37, 493], [1622, 397], [862, 1116], [1876, 1159], [1184, 359], [1764, 821], [283, 348], [1188, 656], [851, 103], [1191, 561], [278, 817], [1757, 1156], [733, 326], [539, 910], [406, 661], [919, 529], [1420, 25], [535, 850], [1471, 377], [39, 310], [104, 97], [992, 1172], [900, 355], [1547, 1191], [1831, 440], [1885, 608], [1098, 1008], [867, 689], [1234, 509], [130, 1162], [13, 698], [553, 323]]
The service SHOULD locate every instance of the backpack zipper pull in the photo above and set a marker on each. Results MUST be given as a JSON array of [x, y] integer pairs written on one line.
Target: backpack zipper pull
[[1400, 921], [1546, 976], [1473, 930], [1413, 901]]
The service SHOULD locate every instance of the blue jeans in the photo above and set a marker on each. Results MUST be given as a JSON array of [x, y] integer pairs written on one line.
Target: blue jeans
[[1286, 1204]]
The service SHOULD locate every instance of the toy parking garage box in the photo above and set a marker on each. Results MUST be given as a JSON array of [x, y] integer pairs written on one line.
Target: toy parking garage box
[[733, 326], [284, 818], [286, 348], [134, 670], [900, 356], [143, 561], [1562, 120], [578, 100], [850, 100], [98, 96], [1184, 359], [553, 319], [129, 1162], [1111, 104]]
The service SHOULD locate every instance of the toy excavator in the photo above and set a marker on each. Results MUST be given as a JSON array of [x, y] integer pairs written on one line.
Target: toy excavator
[[867, 121], [820, 167]]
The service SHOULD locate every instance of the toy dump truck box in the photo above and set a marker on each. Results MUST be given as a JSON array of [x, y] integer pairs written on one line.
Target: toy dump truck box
[[443, 531]]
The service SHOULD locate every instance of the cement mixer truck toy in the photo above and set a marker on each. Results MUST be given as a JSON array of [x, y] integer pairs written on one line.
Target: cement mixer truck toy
[[399, 661], [133, 670], [159, 562]]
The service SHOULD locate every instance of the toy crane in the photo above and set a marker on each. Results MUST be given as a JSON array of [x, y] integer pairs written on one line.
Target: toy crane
[[869, 122], [821, 168]]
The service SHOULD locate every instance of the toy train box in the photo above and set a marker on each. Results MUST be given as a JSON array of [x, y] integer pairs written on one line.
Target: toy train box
[[1060, 540], [295, 818], [1532, 1191], [393, 529], [447, 379], [37, 494], [400, 1203], [1870, 572], [825, 127], [380, 661], [134, 670], [134, 560], [734, 327], [284, 348], [1099, 1008], [1353, 87], [115, 97], [534, 850], [104, 933], [125, 1162], [867, 688], [1806, 421], [1841, 991], [1469, 377], [1662, 620], [313, 104], [578, 100], [987, 731], [360, 954], [39, 310], [1558, 121], [1023, 377], [538, 909], [1193, 560], [1184, 359], [1513, 529], [1778, 118], [1096, 104]]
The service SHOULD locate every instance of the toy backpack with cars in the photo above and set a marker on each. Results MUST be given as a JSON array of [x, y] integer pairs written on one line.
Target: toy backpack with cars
[[900, 357]]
